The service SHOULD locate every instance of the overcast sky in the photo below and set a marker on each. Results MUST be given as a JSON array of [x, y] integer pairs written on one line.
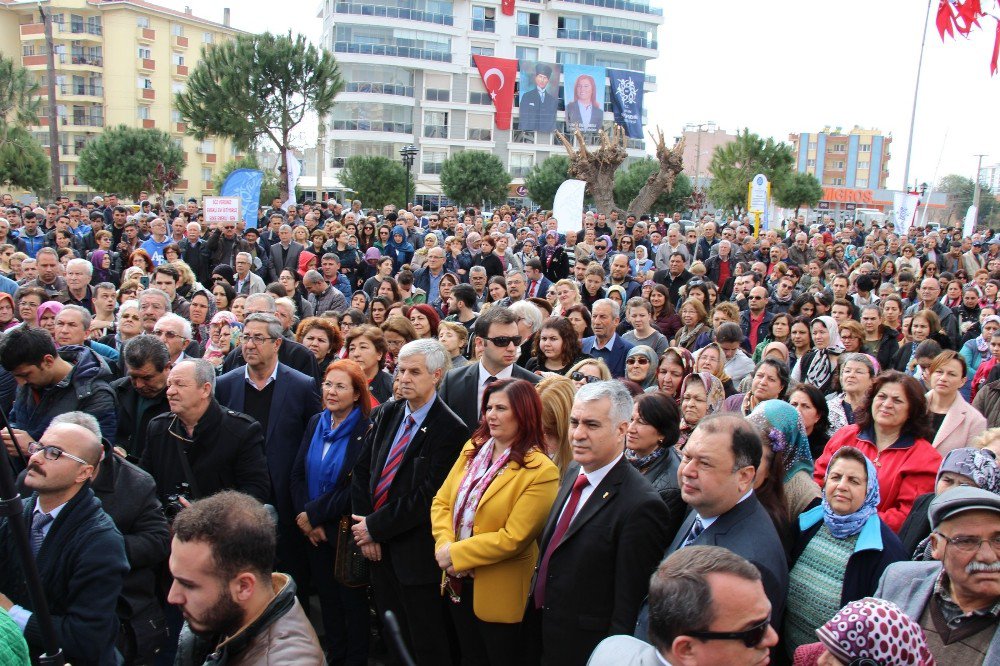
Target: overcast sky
[[785, 66]]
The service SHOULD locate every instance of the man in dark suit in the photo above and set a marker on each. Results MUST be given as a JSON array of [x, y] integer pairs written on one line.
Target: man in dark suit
[[290, 353], [538, 105], [538, 284], [717, 472], [409, 450], [285, 253], [282, 400], [604, 537], [498, 345], [605, 343]]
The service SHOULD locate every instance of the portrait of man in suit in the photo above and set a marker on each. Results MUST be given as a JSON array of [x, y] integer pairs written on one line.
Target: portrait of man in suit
[[585, 110], [539, 99]]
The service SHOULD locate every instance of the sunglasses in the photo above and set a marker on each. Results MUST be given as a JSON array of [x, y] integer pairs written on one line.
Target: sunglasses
[[751, 637], [504, 341], [580, 377], [641, 360]]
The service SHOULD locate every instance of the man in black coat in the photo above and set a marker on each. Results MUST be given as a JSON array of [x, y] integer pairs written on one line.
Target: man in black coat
[[538, 105], [142, 394], [224, 449], [193, 253], [497, 343], [717, 472], [290, 353], [408, 453], [604, 537], [674, 276], [79, 553]]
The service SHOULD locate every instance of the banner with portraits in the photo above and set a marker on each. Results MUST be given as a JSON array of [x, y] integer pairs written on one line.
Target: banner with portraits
[[626, 99], [584, 94], [539, 100]]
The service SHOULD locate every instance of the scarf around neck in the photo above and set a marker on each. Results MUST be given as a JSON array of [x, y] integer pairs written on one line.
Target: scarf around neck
[[845, 526], [323, 471]]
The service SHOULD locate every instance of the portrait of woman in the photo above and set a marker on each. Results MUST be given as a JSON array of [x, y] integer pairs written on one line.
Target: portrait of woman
[[584, 112]]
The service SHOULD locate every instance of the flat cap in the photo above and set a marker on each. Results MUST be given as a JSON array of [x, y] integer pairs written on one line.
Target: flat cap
[[959, 500]]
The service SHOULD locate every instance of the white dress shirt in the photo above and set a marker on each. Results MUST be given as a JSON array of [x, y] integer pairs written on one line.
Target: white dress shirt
[[484, 374], [593, 480]]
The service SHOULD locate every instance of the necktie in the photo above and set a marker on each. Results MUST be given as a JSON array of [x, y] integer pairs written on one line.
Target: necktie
[[490, 380], [534, 289], [564, 520], [38, 525], [392, 463], [696, 529]]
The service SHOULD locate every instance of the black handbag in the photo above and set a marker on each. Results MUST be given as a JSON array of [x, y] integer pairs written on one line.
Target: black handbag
[[350, 567]]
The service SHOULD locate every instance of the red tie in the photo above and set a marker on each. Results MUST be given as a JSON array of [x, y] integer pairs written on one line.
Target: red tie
[[534, 289], [564, 520], [392, 462]]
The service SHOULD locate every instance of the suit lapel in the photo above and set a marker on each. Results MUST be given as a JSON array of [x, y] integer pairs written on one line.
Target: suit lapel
[[682, 532], [564, 490], [952, 419], [387, 435], [504, 477], [277, 401], [600, 498]]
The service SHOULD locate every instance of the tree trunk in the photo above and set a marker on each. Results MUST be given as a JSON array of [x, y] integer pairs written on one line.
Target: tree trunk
[[598, 167], [283, 171], [671, 164]]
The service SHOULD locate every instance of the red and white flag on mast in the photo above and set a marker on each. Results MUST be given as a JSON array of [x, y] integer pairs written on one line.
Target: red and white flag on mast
[[499, 76]]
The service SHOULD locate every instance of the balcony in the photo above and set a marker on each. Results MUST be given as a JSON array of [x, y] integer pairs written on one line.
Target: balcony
[[379, 88], [180, 41], [527, 31], [392, 50], [145, 34], [620, 5], [79, 120], [34, 60], [484, 25], [79, 31], [372, 126], [147, 64], [384, 11], [83, 59], [148, 123], [181, 185], [181, 128], [209, 185], [210, 158], [146, 94], [33, 30], [180, 71], [607, 38]]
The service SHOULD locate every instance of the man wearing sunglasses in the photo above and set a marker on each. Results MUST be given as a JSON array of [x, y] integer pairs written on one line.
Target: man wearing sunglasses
[[955, 597], [79, 553], [706, 606], [498, 343]]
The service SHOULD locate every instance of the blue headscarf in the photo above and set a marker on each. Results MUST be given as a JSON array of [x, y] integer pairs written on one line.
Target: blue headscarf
[[323, 472], [786, 434], [405, 246], [845, 526]]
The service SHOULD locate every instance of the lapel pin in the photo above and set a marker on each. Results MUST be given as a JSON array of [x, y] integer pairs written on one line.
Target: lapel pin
[[423, 430], [606, 495]]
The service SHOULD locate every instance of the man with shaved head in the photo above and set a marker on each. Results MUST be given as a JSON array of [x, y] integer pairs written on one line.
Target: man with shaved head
[[79, 552]]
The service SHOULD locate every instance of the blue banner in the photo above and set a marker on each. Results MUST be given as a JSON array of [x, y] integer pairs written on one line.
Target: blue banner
[[245, 184], [584, 94], [626, 99]]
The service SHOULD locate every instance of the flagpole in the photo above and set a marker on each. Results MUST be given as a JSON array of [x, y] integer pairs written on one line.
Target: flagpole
[[916, 89]]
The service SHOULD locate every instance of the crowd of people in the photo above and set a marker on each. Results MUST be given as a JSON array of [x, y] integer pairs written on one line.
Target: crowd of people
[[643, 441]]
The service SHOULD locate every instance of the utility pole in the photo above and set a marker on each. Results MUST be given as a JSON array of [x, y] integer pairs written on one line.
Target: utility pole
[[975, 192], [50, 74], [916, 89]]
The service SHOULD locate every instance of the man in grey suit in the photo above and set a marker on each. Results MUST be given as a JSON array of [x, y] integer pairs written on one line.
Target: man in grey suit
[[285, 253], [955, 599], [707, 606], [716, 474], [498, 344]]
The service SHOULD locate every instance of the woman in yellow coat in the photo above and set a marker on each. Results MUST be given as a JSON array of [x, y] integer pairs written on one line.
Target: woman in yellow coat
[[486, 519]]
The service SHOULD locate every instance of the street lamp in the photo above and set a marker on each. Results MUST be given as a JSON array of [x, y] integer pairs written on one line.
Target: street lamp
[[409, 153]]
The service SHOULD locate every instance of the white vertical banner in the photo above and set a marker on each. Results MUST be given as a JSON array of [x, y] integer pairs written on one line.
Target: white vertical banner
[[567, 207], [294, 168], [970, 222], [903, 210]]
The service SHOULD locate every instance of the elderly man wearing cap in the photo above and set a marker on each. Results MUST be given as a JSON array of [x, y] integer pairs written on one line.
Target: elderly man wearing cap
[[538, 105], [956, 600]]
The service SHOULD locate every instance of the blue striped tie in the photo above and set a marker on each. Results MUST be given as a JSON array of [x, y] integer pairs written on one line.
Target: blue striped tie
[[38, 524]]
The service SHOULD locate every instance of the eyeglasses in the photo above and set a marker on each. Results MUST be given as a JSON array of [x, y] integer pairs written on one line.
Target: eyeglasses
[[758, 298], [503, 341], [580, 377], [53, 453], [600, 247], [641, 360], [255, 339], [169, 335], [969, 544], [751, 637]]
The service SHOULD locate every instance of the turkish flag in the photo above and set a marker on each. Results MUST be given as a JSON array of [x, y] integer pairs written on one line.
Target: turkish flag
[[507, 7], [499, 76]]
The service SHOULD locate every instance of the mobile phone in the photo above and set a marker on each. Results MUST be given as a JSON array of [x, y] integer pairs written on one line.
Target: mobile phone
[[144, 281]]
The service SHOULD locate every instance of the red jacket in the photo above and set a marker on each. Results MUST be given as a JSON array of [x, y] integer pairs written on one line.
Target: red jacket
[[906, 470]]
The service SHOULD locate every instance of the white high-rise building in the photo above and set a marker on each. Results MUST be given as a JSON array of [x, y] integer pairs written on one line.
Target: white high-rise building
[[410, 77]]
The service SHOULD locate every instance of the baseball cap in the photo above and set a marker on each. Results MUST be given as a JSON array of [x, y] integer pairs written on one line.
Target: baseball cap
[[959, 500]]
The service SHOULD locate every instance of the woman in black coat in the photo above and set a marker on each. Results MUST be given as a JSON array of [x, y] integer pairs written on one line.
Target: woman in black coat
[[321, 497], [488, 259]]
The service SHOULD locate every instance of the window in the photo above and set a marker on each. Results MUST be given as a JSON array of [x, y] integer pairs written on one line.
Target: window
[[839, 148], [864, 164], [811, 163], [436, 124], [812, 145], [28, 49], [373, 117], [143, 113], [432, 161], [521, 164], [142, 21], [526, 53], [477, 91], [527, 24], [480, 127], [145, 52], [177, 29], [484, 18], [145, 83], [569, 23], [567, 57], [206, 174], [839, 164], [208, 146], [838, 181], [865, 148], [177, 59], [479, 50], [177, 88], [175, 116], [437, 87], [207, 38]]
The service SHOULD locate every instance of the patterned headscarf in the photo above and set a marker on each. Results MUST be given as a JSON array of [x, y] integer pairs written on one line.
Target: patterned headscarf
[[782, 424], [713, 389], [845, 526], [875, 629], [821, 369], [980, 465]]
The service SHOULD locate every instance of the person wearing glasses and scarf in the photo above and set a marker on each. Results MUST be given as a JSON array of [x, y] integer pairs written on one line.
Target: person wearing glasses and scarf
[[818, 367], [701, 394], [841, 548]]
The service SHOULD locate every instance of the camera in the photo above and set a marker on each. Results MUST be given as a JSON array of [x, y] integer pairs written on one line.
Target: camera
[[173, 504]]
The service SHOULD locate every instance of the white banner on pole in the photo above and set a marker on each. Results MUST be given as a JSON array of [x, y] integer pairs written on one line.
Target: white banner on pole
[[903, 210], [970, 222], [294, 168], [568, 205]]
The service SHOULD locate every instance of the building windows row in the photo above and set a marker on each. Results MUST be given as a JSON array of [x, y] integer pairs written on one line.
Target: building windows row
[[439, 12], [865, 148], [607, 29], [368, 117], [377, 40]]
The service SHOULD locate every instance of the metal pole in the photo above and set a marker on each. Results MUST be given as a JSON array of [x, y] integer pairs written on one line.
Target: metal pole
[[50, 73], [975, 192], [320, 161], [916, 89]]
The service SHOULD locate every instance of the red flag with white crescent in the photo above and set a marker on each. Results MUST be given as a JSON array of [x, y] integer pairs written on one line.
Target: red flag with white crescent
[[499, 76], [507, 7]]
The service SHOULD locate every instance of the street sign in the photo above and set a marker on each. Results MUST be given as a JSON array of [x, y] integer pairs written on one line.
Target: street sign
[[221, 209], [758, 199]]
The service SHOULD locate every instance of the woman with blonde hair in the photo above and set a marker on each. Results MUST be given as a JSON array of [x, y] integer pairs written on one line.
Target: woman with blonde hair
[[589, 370], [557, 394], [567, 295]]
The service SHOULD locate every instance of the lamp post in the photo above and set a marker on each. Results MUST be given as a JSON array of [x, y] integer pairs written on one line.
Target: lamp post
[[409, 154]]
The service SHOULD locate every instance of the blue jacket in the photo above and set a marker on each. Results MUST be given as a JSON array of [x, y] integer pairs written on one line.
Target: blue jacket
[[87, 388], [876, 548], [614, 358], [82, 565]]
